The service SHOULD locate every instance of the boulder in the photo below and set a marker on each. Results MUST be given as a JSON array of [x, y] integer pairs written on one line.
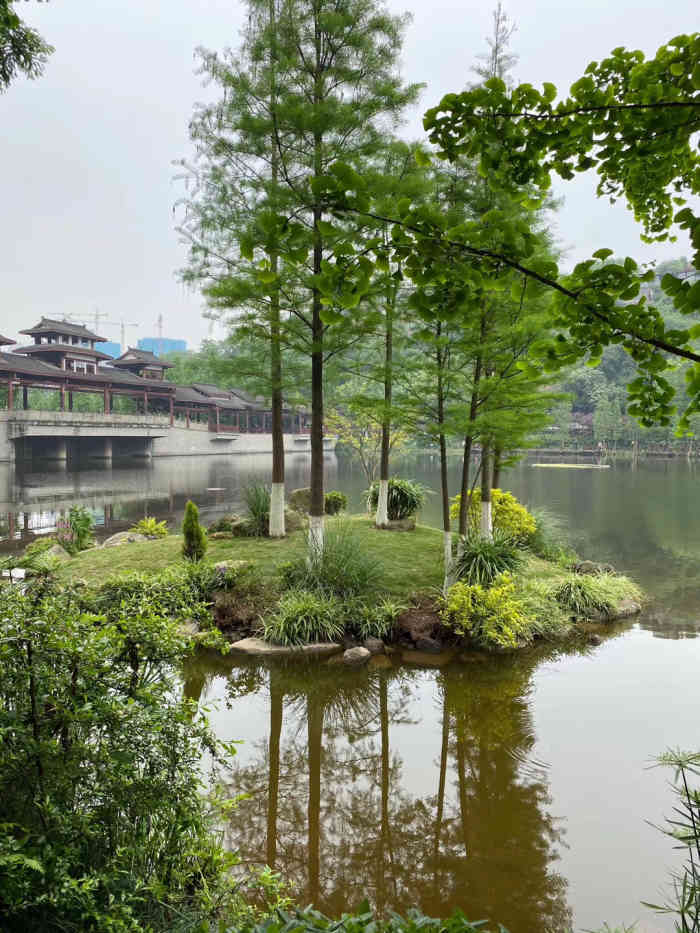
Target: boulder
[[595, 640], [300, 499], [429, 645], [374, 645], [354, 657], [124, 537], [427, 659], [400, 524], [188, 628], [625, 609], [257, 648], [57, 552], [591, 566], [416, 623]]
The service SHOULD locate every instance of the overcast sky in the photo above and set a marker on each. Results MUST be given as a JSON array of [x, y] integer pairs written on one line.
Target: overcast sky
[[87, 185]]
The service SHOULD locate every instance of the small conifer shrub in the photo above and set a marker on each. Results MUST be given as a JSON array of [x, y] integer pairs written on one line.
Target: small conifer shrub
[[194, 542]]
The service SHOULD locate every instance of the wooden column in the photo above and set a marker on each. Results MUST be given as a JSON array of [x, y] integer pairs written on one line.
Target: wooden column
[[172, 412], [11, 392], [63, 396], [187, 417], [107, 405], [218, 420], [70, 401], [145, 402], [25, 398]]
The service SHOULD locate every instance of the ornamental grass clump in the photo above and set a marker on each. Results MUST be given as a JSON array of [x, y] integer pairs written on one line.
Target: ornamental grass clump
[[491, 618], [373, 621], [257, 501], [342, 567], [194, 544], [406, 497], [484, 559], [304, 616], [589, 594]]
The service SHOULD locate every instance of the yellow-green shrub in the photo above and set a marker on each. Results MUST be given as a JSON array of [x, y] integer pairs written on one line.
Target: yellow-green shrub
[[509, 516], [490, 618]]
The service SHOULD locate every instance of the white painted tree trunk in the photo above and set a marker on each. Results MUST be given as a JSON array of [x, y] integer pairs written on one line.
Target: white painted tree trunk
[[486, 520], [277, 529], [382, 517], [447, 559], [460, 546], [315, 534]]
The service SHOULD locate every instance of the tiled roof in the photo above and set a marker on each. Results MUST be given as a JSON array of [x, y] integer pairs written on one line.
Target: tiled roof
[[188, 394], [48, 326], [53, 347], [10, 363], [211, 391], [6, 342], [140, 356]]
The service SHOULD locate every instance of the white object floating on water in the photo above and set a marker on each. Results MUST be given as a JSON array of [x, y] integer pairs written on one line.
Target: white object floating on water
[[573, 466], [216, 489]]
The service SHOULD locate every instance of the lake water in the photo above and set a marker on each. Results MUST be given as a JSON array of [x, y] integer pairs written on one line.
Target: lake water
[[518, 789]]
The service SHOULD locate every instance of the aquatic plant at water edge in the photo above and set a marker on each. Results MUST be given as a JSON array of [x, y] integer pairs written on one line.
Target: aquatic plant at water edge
[[509, 516], [584, 594], [483, 559], [304, 616], [684, 829], [342, 567], [365, 921], [194, 544], [103, 821], [406, 497], [490, 617], [256, 497], [335, 502], [150, 527], [376, 620]]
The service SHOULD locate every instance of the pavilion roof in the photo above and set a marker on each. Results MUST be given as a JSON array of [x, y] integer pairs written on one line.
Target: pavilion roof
[[49, 326], [53, 347], [136, 355], [6, 342]]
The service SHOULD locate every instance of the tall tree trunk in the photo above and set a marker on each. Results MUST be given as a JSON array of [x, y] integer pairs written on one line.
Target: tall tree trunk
[[315, 743], [486, 482], [276, 703], [316, 509], [497, 458], [277, 524], [442, 780], [382, 517], [444, 484]]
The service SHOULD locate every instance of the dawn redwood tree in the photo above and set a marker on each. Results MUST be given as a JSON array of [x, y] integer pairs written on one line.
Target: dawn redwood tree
[[22, 49], [341, 93], [234, 199]]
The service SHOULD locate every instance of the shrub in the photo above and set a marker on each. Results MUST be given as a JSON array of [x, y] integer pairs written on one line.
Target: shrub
[[257, 501], [489, 618], [104, 822], [342, 568], [406, 497], [150, 527], [194, 542], [35, 550], [483, 559], [509, 516], [300, 499], [304, 616], [587, 594], [335, 502], [75, 533]]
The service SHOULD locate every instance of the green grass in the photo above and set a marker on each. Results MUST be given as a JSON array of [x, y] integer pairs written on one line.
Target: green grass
[[409, 562]]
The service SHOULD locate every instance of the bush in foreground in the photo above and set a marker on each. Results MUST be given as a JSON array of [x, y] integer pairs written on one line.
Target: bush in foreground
[[103, 822], [406, 497]]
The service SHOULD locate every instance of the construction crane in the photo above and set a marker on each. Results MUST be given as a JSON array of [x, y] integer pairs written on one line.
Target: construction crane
[[98, 317]]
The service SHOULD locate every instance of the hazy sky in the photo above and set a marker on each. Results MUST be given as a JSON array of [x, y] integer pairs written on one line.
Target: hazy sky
[[87, 181]]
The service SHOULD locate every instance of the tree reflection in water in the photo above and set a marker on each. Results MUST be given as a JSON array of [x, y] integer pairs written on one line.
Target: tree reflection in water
[[327, 806]]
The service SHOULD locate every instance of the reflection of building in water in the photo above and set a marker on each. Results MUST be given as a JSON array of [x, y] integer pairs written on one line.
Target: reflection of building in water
[[60, 396], [330, 803], [32, 501]]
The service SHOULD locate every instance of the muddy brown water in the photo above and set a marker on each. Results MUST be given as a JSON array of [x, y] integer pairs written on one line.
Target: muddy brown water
[[516, 788]]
